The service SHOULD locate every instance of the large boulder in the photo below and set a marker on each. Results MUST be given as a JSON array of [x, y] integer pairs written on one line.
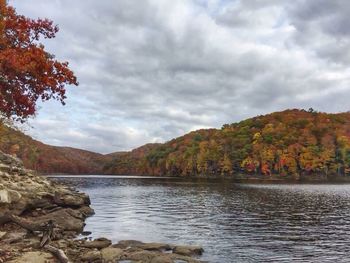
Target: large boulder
[[64, 219]]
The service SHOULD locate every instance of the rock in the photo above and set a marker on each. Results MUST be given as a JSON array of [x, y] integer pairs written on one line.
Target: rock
[[86, 211], [43, 200], [143, 256], [10, 160], [156, 246], [183, 259], [71, 199], [64, 219], [30, 243], [35, 257], [14, 196], [188, 250], [40, 202], [14, 237], [86, 233], [91, 256], [62, 243], [4, 197], [5, 168], [2, 234], [9, 196], [162, 259], [111, 254], [128, 243], [63, 199], [97, 243]]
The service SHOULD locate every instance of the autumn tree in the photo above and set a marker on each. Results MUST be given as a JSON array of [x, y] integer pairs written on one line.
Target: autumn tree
[[226, 165], [27, 71], [292, 144]]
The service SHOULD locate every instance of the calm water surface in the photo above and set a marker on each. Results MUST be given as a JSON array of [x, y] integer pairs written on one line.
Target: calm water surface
[[233, 222]]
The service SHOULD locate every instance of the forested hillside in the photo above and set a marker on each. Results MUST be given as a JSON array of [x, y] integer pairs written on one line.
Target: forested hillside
[[289, 143], [49, 159], [292, 142]]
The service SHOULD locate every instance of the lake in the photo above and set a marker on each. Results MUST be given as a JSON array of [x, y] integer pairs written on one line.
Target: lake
[[232, 222]]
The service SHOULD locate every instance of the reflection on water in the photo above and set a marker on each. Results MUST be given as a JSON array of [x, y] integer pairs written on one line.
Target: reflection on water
[[234, 223]]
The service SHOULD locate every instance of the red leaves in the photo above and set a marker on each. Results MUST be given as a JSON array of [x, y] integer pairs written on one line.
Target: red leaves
[[27, 71]]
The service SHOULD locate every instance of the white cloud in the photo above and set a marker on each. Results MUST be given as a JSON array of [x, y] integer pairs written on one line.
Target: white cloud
[[153, 70]]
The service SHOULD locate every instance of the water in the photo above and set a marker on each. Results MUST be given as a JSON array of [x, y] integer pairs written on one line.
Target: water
[[233, 222]]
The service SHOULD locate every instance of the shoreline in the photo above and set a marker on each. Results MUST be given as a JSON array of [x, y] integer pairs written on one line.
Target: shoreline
[[27, 204], [253, 179]]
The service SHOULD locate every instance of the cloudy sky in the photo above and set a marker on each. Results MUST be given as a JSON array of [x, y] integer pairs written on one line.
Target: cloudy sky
[[152, 70]]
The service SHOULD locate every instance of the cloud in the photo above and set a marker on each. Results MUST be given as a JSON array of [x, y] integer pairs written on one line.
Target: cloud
[[153, 70], [323, 28]]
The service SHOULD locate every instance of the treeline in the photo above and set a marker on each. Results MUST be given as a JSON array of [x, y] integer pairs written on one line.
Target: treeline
[[49, 159], [288, 143], [292, 142]]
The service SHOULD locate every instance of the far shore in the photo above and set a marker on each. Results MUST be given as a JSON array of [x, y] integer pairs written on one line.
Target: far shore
[[247, 179]]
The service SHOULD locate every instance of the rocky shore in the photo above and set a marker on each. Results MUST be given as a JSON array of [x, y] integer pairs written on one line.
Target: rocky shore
[[41, 222]]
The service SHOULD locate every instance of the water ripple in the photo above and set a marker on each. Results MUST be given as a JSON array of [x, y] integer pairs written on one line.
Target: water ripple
[[234, 223]]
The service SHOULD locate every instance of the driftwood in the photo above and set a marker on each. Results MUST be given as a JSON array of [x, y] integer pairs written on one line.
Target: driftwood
[[26, 224], [32, 227], [58, 253], [48, 233]]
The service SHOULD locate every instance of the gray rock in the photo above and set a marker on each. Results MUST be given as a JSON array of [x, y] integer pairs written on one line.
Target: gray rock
[[65, 219], [111, 254], [162, 259], [156, 246], [97, 243], [128, 243], [142, 255], [86, 211], [188, 250], [86, 233], [91, 256]]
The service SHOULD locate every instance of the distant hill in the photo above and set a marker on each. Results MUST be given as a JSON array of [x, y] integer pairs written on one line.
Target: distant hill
[[49, 159], [287, 144], [130, 163]]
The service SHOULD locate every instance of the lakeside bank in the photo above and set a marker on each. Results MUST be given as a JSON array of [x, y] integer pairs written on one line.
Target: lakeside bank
[[28, 202]]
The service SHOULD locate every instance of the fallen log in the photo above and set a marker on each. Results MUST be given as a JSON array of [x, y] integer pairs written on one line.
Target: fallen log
[[58, 253], [32, 227], [26, 224]]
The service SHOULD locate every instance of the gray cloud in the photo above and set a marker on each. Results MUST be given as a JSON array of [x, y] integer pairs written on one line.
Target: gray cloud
[[153, 70], [322, 27]]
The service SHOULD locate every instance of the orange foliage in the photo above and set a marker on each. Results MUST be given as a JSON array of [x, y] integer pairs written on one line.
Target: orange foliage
[[27, 71], [283, 143]]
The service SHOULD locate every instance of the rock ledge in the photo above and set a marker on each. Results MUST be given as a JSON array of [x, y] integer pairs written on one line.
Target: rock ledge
[[28, 202]]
